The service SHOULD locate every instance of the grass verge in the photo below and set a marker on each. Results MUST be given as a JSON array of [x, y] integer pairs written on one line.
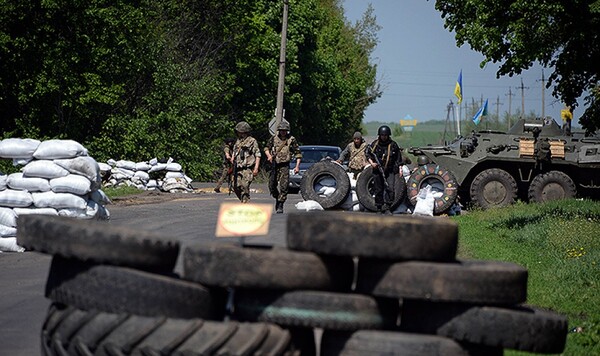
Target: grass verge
[[121, 191], [559, 244]]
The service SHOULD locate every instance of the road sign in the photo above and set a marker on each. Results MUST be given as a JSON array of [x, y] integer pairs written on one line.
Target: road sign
[[237, 219]]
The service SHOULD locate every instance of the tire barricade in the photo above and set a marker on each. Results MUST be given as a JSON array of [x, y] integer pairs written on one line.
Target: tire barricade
[[372, 284], [57, 178]]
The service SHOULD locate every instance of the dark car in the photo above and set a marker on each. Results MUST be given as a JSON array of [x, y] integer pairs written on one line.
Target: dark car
[[310, 156]]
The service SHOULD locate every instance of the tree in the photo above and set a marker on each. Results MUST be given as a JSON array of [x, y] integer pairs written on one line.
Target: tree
[[563, 35]]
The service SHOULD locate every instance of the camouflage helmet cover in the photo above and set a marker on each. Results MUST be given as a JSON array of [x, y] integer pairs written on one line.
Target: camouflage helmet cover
[[243, 127], [283, 125]]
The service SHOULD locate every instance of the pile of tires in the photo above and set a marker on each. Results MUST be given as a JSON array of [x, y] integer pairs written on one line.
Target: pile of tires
[[371, 284], [325, 174]]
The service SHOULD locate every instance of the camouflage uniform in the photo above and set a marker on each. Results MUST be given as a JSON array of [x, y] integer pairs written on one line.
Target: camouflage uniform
[[357, 160], [246, 152], [227, 168], [282, 150]]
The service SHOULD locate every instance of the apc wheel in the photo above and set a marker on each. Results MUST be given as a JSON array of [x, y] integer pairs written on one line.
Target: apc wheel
[[440, 179], [364, 189], [553, 185], [493, 188], [321, 170]]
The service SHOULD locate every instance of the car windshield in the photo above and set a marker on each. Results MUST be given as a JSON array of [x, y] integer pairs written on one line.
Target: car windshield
[[314, 156]]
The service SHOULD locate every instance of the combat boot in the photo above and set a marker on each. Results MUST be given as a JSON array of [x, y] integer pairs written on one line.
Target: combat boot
[[279, 207]]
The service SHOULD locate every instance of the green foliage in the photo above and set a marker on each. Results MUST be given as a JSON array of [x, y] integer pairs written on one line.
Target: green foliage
[[558, 244], [562, 35]]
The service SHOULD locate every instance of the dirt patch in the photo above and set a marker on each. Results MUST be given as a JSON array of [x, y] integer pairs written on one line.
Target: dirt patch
[[153, 197]]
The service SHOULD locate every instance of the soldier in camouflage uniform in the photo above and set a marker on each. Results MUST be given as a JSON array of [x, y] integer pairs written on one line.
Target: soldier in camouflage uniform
[[280, 150], [356, 152], [227, 168], [246, 157]]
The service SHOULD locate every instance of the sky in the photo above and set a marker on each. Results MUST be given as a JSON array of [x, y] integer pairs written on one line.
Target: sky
[[419, 63]]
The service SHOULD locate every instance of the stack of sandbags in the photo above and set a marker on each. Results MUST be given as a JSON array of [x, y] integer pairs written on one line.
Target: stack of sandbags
[[166, 176], [58, 178]]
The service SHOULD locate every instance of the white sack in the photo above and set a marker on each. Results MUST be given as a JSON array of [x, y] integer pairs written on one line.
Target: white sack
[[100, 197], [3, 179], [425, 202], [308, 205], [172, 174], [35, 211], [142, 166], [104, 167], [89, 212], [142, 175], [31, 184], [8, 217], [130, 165], [111, 162], [15, 198], [57, 149], [72, 183], [9, 244], [158, 167], [58, 200], [84, 166], [44, 169], [18, 147], [173, 167], [21, 161], [324, 190], [153, 161], [7, 231], [122, 171], [152, 183], [175, 183]]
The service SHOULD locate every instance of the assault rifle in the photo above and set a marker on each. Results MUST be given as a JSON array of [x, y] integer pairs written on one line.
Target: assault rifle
[[273, 177]]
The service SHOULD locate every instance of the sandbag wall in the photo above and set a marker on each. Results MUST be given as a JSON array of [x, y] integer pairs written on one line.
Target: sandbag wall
[[57, 178], [164, 175]]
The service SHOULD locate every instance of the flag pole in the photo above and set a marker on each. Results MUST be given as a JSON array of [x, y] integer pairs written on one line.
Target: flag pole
[[458, 120]]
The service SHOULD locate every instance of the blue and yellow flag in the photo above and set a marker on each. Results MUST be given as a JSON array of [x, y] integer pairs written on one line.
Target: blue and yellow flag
[[481, 113], [458, 88]]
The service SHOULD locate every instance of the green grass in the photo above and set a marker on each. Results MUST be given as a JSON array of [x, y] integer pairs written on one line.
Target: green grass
[[120, 191], [559, 244]]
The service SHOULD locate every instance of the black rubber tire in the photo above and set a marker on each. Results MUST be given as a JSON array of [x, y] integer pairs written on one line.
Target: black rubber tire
[[493, 188], [521, 328], [71, 331], [124, 290], [364, 186], [232, 266], [97, 242], [553, 185], [371, 342], [433, 174], [369, 235], [322, 170], [333, 311], [489, 282]]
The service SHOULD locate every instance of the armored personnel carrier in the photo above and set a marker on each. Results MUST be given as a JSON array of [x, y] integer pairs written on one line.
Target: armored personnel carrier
[[533, 161]]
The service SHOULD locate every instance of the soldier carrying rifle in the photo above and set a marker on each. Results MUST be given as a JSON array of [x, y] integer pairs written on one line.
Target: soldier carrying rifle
[[245, 160], [280, 150]]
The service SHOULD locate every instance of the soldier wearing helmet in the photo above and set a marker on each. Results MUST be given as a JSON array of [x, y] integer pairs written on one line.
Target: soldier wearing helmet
[[387, 152], [280, 150], [355, 152], [246, 158]]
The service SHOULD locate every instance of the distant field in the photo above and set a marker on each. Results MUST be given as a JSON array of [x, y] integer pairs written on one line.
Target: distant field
[[425, 133]]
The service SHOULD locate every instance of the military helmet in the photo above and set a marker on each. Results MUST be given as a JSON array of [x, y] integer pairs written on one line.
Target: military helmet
[[357, 134], [422, 160], [384, 130], [243, 127], [283, 125]]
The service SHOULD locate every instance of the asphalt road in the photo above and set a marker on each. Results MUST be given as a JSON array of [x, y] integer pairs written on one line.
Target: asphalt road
[[191, 219]]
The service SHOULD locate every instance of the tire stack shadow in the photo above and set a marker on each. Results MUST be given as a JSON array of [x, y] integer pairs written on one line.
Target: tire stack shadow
[[372, 284]]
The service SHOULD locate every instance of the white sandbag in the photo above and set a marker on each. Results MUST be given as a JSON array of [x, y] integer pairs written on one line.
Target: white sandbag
[[152, 183], [175, 183], [327, 182], [72, 213], [57, 149], [15, 198], [324, 190], [16, 181], [111, 162], [72, 183], [425, 202], [9, 244], [18, 147], [142, 175], [406, 173], [122, 171], [142, 166], [158, 167], [8, 217], [104, 167], [153, 161], [35, 211], [84, 166], [58, 200], [21, 161], [3, 179], [7, 231], [44, 169], [116, 177], [308, 205], [100, 197], [173, 167], [130, 165], [172, 174]]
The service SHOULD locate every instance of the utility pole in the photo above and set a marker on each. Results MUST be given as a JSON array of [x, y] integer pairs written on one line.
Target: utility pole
[[498, 112], [543, 95], [281, 81], [510, 95], [522, 87]]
